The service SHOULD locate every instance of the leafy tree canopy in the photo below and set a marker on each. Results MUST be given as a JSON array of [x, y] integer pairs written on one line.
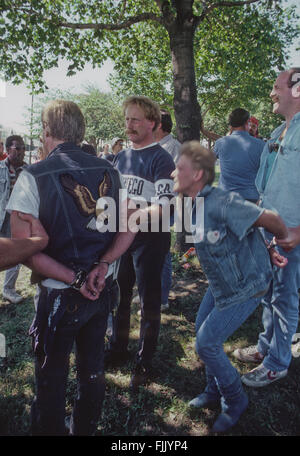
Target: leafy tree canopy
[[183, 53], [103, 114]]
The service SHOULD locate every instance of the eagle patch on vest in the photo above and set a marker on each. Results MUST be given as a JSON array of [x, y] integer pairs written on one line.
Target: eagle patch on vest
[[83, 198]]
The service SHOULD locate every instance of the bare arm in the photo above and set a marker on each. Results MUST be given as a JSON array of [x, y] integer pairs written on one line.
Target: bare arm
[[15, 251], [287, 238], [42, 263], [291, 240], [273, 223]]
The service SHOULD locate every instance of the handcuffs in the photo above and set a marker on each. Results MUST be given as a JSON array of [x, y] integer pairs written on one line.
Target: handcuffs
[[79, 280], [271, 244], [81, 275]]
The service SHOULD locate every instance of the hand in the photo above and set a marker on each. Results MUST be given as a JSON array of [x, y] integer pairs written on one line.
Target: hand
[[291, 240], [36, 228], [87, 293], [277, 259], [96, 278]]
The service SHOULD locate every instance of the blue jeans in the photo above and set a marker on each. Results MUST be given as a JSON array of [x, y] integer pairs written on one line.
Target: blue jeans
[[281, 314], [213, 327], [166, 278]]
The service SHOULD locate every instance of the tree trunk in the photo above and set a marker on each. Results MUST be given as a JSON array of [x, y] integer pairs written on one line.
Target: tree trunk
[[186, 106]]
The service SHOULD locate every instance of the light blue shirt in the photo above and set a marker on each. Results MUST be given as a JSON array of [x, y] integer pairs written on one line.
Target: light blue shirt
[[239, 155], [282, 189]]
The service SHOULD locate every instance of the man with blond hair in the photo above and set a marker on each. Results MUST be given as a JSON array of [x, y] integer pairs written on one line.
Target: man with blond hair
[[146, 169], [236, 262], [62, 191]]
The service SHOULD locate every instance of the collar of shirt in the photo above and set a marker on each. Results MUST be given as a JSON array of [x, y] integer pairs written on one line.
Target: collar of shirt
[[240, 132], [146, 147]]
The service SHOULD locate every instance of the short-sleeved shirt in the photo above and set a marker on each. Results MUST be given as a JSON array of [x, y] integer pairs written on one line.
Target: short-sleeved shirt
[[239, 155], [146, 172]]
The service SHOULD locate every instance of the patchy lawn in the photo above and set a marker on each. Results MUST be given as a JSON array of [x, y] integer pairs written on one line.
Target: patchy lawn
[[160, 408]]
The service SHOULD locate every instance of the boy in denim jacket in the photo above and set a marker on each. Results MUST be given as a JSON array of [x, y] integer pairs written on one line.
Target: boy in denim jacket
[[236, 261]]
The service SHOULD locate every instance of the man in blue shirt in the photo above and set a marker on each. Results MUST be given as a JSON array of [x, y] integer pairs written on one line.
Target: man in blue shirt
[[279, 187], [239, 154]]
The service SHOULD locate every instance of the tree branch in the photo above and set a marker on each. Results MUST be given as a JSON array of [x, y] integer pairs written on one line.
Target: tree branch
[[208, 9], [127, 23], [209, 134]]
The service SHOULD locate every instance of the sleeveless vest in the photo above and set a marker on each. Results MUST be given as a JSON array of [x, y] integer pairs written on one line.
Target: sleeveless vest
[[69, 183]]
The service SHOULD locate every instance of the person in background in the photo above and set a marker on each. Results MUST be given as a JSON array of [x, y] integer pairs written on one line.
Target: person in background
[[89, 149], [117, 145], [239, 155], [164, 136], [253, 127], [3, 155], [10, 169], [105, 152]]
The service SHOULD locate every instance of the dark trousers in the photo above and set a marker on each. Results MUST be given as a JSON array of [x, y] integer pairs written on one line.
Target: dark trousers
[[83, 322], [142, 263]]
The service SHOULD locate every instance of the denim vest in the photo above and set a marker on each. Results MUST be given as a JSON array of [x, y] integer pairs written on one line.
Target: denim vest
[[232, 252], [70, 182]]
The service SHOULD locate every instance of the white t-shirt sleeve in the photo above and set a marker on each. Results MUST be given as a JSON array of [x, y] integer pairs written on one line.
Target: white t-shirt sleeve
[[25, 196]]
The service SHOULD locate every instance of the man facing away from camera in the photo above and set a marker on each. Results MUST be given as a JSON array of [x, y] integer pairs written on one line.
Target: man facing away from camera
[[75, 270]]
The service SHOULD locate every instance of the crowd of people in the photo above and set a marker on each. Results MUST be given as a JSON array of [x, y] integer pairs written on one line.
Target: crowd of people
[[248, 245]]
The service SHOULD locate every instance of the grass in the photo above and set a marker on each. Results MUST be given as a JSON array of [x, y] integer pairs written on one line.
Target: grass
[[160, 408]]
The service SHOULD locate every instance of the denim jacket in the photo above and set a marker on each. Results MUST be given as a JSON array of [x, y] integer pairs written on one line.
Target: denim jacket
[[282, 190], [232, 252], [69, 183], [4, 190]]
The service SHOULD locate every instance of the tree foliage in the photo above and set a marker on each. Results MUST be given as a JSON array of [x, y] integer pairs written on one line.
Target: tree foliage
[[103, 114], [190, 54]]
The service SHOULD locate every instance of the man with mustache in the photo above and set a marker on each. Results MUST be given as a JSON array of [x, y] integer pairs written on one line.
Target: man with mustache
[[279, 187], [146, 168]]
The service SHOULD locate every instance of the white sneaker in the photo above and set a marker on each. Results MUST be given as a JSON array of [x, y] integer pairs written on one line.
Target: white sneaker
[[262, 376], [296, 350], [248, 355], [12, 296]]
